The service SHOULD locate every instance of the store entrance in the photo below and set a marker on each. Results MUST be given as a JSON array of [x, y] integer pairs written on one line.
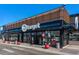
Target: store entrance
[[37, 38], [34, 38]]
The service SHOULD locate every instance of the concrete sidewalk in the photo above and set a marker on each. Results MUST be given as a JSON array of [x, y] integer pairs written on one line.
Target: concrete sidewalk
[[73, 49], [63, 51]]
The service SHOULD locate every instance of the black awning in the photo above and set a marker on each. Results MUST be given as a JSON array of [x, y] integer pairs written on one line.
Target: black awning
[[69, 27]]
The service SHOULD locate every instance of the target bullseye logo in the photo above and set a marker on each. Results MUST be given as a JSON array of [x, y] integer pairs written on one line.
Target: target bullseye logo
[[24, 27]]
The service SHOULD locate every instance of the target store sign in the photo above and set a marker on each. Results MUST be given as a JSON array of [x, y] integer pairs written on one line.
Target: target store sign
[[28, 27]]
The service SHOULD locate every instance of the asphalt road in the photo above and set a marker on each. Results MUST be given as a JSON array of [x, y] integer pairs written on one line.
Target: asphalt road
[[14, 50]]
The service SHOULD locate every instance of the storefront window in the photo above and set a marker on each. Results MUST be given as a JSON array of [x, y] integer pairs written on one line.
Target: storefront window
[[13, 37], [66, 38], [26, 37], [74, 37], [56, 35]]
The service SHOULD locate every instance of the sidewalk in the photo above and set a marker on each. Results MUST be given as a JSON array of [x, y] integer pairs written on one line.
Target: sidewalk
[[73, 49], [63, 51]]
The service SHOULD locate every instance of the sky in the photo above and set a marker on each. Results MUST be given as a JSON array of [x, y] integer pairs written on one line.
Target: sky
[[10, 13]]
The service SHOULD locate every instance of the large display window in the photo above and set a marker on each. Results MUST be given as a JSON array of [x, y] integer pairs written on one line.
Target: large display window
[[47, 36], [55, 34], [13, 37], [26, 38]]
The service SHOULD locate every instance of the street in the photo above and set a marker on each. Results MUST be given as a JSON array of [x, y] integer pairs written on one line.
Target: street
[[15, 50]]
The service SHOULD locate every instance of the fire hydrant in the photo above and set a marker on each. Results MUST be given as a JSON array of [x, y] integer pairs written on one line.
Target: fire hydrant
[[47, 46]]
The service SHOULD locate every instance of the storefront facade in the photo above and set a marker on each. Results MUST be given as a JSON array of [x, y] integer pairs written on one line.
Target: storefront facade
[[74, 20], [41, 29]]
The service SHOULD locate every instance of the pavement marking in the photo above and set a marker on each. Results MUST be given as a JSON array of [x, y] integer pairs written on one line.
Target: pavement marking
[[8, 50], [42, 50], [18, 48], [22, 49], [65, 46]]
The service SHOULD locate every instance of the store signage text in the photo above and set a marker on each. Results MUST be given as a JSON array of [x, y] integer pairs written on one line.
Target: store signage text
[[28, 27]]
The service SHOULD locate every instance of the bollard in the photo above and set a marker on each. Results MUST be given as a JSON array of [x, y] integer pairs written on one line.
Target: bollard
[[18, 43]]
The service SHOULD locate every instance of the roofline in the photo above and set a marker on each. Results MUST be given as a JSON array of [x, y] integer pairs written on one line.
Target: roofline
[[36, 15], [77, 14], [42, 13]]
